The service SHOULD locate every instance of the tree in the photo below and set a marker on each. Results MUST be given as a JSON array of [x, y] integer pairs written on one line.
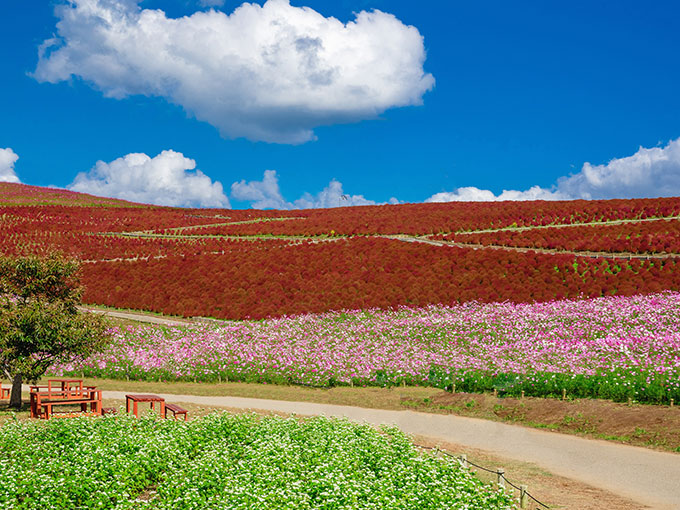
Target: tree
[[40, 323]]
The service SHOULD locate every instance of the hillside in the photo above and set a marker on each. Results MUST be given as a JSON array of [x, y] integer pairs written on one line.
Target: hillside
[[248, 263]]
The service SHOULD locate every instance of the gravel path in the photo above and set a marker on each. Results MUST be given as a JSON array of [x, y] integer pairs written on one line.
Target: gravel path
[[649, 477]]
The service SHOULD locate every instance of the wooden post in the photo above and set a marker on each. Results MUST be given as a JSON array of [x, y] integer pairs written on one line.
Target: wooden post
[[495, 393], [351, 383], [672, 402], [463, 461], [522, 394], [453, 388], [523, 498], [564, 394], [501, 478], [219, 378], [403, 383]]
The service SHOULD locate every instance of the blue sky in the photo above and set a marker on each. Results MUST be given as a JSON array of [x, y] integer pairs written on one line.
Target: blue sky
[[477, 98]]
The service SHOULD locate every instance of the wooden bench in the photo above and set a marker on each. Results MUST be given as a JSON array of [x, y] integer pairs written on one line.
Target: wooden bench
[[175, 411], [42, 402]]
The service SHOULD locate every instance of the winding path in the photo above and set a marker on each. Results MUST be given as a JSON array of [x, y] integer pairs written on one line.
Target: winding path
[[521, 249], [646, 476]]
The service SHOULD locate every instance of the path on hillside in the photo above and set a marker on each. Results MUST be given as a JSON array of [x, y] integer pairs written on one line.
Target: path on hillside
[[645, 476], [139, 317], [568, 225], [548, 251]]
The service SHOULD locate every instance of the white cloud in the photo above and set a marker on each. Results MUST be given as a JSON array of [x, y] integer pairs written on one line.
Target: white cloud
[[167, 179], [7, 159], [472, 194], [265, 194], [270, 73], [648, 173]]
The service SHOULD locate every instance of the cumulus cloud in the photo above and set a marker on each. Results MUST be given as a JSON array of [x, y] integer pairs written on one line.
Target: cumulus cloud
[[648, 173], [472, 194], [269, 73], [651, 172], [167, 179], [265, 194], [7, 159]]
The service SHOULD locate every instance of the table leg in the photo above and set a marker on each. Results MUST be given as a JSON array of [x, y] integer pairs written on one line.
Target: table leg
[[163, 411], [127, 405]]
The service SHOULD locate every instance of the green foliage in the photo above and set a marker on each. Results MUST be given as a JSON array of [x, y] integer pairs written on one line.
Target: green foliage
[[39, 322], [617, 384], [227, 461]]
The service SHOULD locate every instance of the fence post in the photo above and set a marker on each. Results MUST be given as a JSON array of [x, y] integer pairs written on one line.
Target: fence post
[[453, 388], [501, 478], [495, 393], [522, 394], [523, 499], [672, 402], [564, 394]]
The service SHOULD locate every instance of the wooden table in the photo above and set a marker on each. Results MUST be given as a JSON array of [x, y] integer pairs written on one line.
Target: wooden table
[[136, 399], [68, 386], [44, 398]]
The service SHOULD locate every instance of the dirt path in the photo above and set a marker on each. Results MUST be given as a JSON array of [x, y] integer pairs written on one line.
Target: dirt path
[[139, 317], [648, 477], [591, 254], [568, 225]]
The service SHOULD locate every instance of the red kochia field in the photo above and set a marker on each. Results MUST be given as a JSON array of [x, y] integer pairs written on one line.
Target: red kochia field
[[360, 273], [236, 264]]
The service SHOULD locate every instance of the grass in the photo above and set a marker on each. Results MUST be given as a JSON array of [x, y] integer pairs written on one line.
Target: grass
[[369, 397]]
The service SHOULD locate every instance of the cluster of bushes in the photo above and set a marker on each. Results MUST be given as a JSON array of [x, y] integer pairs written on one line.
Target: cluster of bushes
[[618, 385]]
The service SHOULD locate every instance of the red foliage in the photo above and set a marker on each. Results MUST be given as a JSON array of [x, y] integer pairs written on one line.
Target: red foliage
[[238, 278], [359, 273], [659, 236]]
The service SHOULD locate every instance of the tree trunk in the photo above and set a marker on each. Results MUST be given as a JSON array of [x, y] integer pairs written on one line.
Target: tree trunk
[[15, 397]]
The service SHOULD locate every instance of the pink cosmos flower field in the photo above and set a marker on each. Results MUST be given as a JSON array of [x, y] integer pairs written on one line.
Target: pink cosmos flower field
[[613, 347]]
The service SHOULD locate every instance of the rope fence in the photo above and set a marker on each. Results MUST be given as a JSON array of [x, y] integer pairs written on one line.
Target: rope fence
[[501, 480]]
